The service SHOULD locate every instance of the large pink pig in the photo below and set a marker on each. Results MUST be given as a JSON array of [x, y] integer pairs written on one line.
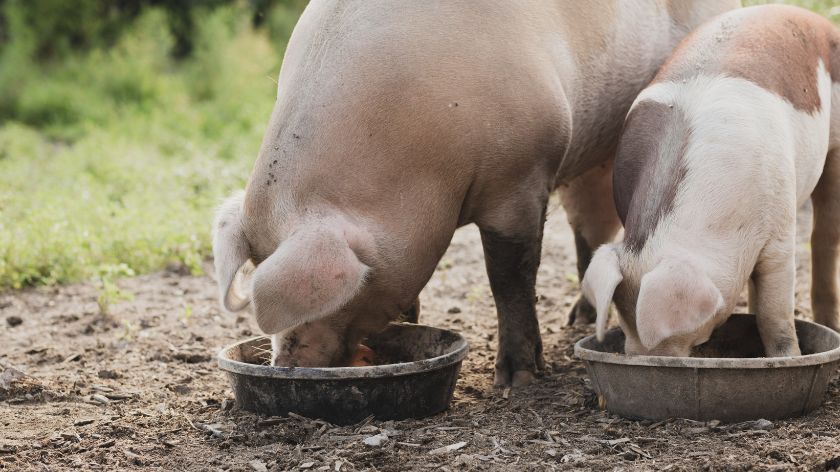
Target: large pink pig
[[397, 121]]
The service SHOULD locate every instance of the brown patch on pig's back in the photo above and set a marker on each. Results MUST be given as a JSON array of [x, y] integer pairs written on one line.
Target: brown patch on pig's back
[[774, 46]]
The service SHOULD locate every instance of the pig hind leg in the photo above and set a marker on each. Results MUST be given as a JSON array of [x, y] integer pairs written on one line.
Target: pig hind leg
[[774, 279], [825, 239], [590, 208], [512, 256]]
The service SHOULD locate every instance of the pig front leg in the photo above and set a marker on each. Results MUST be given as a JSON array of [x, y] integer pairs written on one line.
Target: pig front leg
[[752, 296], [774, 278], [825, 240], [590, 208], [512, 257], [412, 315]]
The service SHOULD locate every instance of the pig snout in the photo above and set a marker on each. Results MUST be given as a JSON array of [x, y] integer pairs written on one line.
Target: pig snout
[[672, 348], [314, 344]]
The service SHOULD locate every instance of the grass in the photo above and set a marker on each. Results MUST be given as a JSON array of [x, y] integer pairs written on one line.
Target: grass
[[112, 160], [827, 8]]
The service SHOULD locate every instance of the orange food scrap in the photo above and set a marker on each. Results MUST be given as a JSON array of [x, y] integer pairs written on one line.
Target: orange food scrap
[[364, 357]]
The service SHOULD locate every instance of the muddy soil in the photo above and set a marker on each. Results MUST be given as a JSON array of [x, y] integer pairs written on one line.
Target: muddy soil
[[138, 388]]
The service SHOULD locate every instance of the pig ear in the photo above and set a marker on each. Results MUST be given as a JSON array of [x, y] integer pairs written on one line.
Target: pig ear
[[311, 275], [230, 252], [675, 298], [602, 277]]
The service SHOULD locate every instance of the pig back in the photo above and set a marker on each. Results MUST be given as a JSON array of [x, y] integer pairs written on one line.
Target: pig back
[[409, 108]]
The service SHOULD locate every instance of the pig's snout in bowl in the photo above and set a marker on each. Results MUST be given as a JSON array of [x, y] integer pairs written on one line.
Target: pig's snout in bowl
[[418, 379], [728, 378]]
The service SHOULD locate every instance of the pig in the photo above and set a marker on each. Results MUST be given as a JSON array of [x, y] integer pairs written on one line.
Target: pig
[[737, 130], [397, 122]]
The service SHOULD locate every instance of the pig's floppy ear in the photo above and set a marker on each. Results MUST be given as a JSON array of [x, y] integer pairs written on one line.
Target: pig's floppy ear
[[310, 275], [230, 252], [602, 277], [675, 298]]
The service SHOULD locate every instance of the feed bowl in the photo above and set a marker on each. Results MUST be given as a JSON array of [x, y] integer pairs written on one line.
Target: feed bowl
[[728, 380], [418, 381]]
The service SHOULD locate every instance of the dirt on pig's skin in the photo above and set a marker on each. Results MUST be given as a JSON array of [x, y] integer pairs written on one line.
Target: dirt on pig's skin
[[139, 389]]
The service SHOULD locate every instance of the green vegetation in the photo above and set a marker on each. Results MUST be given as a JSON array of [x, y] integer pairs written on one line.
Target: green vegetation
[[121, 129], [114, 153], [823, 7]]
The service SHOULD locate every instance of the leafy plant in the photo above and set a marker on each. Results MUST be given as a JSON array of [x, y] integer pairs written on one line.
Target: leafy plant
[[129, 331], [186, 316], [110, 292]]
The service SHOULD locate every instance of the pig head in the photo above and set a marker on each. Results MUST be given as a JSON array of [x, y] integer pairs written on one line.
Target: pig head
[[316, 292], [667, 311]]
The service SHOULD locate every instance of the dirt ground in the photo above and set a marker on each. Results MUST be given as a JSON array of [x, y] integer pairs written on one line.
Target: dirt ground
[[139, 389]]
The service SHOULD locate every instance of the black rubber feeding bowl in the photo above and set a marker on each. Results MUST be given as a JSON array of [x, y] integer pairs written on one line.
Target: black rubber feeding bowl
[[726, 380], [418, 381]]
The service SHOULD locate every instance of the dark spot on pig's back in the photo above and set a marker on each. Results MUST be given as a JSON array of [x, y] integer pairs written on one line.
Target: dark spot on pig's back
[[649, 168]]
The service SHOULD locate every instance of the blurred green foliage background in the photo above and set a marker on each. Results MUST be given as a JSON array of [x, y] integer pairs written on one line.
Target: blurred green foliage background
[[124, 122]]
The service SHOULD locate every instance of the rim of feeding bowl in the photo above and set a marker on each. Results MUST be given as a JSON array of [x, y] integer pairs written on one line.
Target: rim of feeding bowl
[[816, 358], [323, 373]]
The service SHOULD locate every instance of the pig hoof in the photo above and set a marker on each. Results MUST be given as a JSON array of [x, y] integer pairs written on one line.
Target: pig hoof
[[582, 313], [520, 378]]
